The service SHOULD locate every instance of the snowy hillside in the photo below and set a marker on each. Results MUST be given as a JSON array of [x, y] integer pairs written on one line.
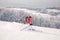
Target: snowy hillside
[[53, 10], [50, 19], [11, 31]]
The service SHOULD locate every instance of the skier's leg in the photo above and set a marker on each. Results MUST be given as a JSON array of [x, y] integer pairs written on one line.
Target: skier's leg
[[25, 27]]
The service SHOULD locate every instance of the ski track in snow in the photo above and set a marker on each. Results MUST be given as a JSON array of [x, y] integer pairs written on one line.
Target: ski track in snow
[[11, 31]]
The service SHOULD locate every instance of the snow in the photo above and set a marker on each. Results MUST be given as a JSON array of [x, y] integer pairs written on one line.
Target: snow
[[53, 10], [32, 12], [19, 31], [12, 31], [38, 14]]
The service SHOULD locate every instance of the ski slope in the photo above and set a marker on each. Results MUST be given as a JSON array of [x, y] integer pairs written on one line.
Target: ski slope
[[31, 12], [12, 31], [53, 10]]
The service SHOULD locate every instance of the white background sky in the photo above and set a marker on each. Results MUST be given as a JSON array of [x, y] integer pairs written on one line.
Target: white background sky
[[30, 3]]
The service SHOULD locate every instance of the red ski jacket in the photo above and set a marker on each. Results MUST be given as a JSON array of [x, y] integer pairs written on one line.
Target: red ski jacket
[[28, 19]]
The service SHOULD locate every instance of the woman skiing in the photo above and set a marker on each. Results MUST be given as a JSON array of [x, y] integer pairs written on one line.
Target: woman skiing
[[28, 20]]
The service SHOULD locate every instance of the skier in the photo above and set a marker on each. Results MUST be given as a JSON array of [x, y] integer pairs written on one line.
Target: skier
[[28, 20], [28, 26]]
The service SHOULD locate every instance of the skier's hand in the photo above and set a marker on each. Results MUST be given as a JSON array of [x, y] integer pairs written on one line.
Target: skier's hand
[[30, 24]]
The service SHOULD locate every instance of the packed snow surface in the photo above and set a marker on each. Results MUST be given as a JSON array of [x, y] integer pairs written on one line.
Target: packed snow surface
[[12, 31]]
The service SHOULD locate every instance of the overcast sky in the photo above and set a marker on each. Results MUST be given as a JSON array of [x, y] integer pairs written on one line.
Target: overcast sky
[[30, 3]]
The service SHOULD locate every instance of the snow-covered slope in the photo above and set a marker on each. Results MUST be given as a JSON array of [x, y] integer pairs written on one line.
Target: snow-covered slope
[[11, 31], [53, 10], [36, 13], [44, 19]]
